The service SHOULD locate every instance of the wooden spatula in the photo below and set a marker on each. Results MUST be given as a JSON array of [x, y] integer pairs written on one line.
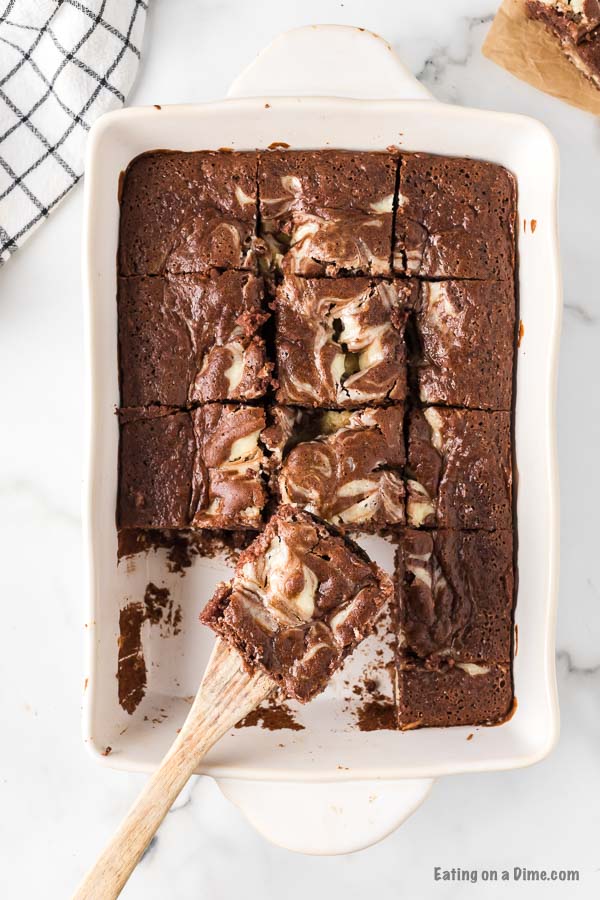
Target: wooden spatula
[[227, 694]]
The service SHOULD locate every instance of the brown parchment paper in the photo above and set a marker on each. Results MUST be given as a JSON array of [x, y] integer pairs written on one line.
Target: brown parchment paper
[[529, 51]]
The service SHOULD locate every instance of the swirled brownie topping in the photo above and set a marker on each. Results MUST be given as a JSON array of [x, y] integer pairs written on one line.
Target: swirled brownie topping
[[454, 592], [327, 212], [340, 342], [203, 468], [230, 467], [346, 467], [465, 334]]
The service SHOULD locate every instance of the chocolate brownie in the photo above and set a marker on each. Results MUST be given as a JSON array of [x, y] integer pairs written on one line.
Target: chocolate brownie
[[340, 341], [576, 25], [187, 212], [185, 338], [229, 486], [455, 219], [465, 334], [203, 468], [327, 212], [156, 456], [302, 597], [454, 591], [460, 470], [345, 467], [453, 694]]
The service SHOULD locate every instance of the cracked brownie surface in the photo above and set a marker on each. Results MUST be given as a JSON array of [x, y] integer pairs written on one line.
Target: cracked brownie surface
[[156, 451], [453, 694], [302, 597]]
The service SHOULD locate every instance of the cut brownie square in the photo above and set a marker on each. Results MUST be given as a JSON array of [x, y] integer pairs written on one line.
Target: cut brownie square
[[185, 338], [453, 694], [231, 468], [454, 591], [156, 457], [576, 26], [203, 469], [187, 212], [460, 469], [340, 342], [345, 467], [455, 219], [465, 339], [302, 597], [327, 212]]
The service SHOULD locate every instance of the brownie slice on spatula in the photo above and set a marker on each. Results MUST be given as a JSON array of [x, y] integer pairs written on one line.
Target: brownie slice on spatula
[[302, 597]]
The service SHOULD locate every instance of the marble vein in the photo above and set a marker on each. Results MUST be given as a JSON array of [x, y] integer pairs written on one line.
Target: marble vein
[[566, 658], [435, 68], [580, 312]]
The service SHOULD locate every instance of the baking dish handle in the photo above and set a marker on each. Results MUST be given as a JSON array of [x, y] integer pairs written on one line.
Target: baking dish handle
[[328, 61], [326, 819]]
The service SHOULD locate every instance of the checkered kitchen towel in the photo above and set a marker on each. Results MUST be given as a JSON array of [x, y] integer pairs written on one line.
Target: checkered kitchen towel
[[62, 64]]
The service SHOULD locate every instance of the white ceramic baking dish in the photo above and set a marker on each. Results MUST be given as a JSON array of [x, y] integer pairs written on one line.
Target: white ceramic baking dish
[[329, 788]]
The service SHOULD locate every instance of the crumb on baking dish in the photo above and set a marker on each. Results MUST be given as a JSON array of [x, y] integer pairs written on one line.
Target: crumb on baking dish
[[272, 715]]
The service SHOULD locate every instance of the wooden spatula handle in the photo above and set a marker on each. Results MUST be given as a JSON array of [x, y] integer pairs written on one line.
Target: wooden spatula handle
[[226, 695]]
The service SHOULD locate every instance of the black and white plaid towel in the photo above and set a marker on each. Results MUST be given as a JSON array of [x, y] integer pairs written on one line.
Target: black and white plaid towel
[[62, 64]]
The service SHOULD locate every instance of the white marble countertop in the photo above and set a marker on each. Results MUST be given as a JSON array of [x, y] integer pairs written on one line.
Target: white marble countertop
[[58, 807]]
